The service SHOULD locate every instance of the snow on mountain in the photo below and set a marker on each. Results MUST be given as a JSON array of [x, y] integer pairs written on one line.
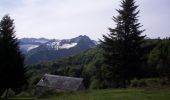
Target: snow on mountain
[[60, 44], [27, 44], [56, 49], [68, 46], [53, 44], [28, 47]]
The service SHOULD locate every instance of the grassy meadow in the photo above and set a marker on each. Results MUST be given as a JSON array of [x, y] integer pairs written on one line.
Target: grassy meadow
[[110, 94]]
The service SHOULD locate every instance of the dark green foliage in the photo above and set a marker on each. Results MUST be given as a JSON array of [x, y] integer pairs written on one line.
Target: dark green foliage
[[12, 71], [123, 46], [149, 82], [159, 59], [138, 83], [86, 65], [90, 66]]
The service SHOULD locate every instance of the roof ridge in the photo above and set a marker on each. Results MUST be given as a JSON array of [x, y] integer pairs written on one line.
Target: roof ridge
[[63, 76]]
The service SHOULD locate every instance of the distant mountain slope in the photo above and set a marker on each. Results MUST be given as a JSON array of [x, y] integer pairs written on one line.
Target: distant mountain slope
[[27, 44], [37, 50]]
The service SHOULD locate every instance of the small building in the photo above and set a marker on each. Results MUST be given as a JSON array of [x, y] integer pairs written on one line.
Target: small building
[[61, 83]]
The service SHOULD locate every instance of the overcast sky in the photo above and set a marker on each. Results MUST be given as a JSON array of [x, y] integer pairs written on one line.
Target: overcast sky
[[62, 19]]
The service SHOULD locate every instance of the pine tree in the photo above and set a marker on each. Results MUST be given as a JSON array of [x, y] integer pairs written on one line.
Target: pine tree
[[123, 46], [12, 71]]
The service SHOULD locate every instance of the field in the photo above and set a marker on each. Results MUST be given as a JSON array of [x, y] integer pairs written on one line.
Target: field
[[112, 94]]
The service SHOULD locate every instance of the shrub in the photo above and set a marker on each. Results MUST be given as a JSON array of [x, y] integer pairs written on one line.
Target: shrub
[[95, 84], [43, 92], [142, 83], [134, 83], [23, 94], [138, 83]]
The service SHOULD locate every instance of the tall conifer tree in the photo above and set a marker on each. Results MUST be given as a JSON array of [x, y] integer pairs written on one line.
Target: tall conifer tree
[[12, 71], [123, 46]]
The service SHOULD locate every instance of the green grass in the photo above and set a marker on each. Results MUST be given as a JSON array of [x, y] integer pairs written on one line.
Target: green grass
[[110, 94], [115, 94]]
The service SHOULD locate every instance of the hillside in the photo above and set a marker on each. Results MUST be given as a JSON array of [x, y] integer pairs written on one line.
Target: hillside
[[81, 65], [90, 65]]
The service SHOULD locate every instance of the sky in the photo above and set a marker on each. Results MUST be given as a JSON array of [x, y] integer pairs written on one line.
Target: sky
[[64, 19]]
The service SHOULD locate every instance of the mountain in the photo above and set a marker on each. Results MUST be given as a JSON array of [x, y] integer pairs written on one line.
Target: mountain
[[27, 44], [37, 50]]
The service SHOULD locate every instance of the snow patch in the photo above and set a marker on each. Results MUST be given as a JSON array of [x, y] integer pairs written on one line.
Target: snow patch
[[54, 44], [32, 47], [28, 47], [68, 46], [58, 45]]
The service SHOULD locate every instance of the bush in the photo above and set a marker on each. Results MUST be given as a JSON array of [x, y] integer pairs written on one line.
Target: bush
[[138, 83], [11, 93], [164, 81], [23, 94], [43, 92], [134, 83], [151, 82], [142, 83], [95, 84]]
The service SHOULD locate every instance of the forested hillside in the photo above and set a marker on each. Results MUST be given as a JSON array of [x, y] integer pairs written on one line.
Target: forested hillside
[[90, 66]]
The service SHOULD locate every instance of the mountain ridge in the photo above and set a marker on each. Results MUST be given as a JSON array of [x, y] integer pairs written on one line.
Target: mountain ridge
[[42, 49]]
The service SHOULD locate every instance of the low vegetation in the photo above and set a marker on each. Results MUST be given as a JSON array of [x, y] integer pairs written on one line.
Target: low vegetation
[[110, 94]]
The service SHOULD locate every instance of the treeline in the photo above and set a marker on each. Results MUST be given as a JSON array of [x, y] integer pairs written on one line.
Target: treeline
[[90, 65], [159, 59]]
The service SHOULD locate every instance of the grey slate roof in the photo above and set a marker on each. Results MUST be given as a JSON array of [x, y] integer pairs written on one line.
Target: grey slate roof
[[62, 83]]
